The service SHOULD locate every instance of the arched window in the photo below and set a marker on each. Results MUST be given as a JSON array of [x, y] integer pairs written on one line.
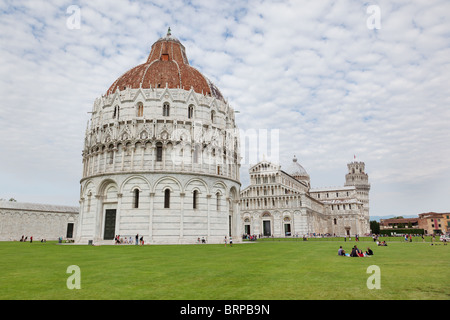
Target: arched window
[[89, 201], [111, 154], [116, 112], [166, 109], [194, 199], [136, 198], [191, 111], [196, 153], [140, 109], [218, 202], [159, 152], [213, 115], [167, 198]]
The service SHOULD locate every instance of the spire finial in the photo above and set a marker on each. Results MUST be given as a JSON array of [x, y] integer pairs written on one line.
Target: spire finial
[[169, 32]]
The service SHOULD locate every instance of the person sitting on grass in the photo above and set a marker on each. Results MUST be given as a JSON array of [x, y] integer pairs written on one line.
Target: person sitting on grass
[[369, 252], [359, 252], [354, 252], [341, 252]]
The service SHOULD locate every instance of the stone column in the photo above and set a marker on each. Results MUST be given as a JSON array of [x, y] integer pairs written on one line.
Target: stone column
[[150, 222], [98, 219], [182, 194], [119, 205], [208, 202], [123, 157], [133, 148], [79, 225]]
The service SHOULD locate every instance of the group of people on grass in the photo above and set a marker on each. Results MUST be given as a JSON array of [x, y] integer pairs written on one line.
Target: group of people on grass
[[25, 239], [251, 237], [225, 240], [124, 240], [356, 252], [203, 240]]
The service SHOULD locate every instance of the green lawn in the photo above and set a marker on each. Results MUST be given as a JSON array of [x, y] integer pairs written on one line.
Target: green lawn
[[262, 270]]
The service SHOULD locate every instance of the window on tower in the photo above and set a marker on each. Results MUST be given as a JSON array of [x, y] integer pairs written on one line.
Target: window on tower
[[166, 109], [140, 110], [116, 112], [136, 198], [111, 154], [167, 198], [159, 152], [218, 201], [194, 199], [191, 111], [197, 151]]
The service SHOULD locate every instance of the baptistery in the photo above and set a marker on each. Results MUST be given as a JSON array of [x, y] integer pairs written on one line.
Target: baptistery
[[160, 157]]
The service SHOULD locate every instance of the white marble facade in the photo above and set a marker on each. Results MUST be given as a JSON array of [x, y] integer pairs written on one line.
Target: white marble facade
[[152, 153], [176, 220], [281, 203], [39, 221], [160, 162]]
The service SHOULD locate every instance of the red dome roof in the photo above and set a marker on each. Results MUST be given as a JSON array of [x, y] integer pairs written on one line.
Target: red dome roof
[[167, 65]]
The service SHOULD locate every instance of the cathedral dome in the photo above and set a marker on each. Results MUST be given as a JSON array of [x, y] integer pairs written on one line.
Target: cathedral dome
[[166, 65], [297, 171]]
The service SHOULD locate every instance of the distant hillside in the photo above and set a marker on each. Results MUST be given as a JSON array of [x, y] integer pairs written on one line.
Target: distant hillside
[[377, 218]]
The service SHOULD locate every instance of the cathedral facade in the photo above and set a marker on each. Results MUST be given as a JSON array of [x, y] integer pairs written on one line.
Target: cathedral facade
[[161, 156], [280, 203]]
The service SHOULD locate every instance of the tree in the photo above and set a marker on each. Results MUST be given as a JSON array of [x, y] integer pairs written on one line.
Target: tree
[[375, 226]]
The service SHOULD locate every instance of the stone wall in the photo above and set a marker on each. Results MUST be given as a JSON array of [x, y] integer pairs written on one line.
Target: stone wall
[[39, 221]]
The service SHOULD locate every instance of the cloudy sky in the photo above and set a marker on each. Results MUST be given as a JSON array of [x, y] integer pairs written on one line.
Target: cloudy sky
[[334, 80]]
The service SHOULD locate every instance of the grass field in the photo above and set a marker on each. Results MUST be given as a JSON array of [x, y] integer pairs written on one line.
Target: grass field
[[262, 270]]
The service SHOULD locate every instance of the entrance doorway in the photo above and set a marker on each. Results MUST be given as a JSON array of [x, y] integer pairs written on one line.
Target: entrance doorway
[[110, 224], [287, 229], [266, 228], [69, 233]]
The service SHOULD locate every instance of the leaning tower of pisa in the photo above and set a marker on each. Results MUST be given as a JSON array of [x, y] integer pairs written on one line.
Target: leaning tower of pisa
[[357, 177]]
